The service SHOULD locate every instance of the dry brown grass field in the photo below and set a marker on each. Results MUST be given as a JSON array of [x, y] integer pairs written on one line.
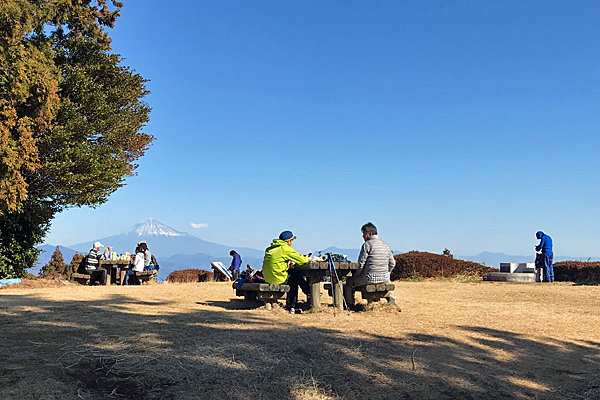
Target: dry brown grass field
[[452, 340]]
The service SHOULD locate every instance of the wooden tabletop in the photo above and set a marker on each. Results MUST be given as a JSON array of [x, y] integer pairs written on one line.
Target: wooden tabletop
[[115, 262], [325, 265]]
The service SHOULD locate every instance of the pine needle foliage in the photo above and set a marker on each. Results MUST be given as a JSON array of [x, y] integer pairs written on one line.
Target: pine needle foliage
[[56, 267], [71, 118]]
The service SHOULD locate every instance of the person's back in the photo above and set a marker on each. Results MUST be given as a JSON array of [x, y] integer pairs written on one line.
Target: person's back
[[375, 263], [376, 259], [545, 245], [92, 260], [138, 262]]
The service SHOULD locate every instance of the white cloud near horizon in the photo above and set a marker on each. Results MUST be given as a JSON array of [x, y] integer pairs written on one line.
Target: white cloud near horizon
[[198, 226]]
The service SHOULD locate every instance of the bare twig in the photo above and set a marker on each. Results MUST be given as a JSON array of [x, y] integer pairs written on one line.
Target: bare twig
[[412, 359], [74, 364]]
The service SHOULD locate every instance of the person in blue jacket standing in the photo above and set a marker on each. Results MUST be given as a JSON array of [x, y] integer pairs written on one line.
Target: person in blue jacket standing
[[545, 247], [236, 263]]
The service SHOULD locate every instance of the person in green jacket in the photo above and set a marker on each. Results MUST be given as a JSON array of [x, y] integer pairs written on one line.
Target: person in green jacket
[[275, 268]]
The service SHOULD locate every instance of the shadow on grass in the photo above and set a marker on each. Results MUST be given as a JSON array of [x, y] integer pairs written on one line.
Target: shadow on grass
[[233, 304], [87, 350]]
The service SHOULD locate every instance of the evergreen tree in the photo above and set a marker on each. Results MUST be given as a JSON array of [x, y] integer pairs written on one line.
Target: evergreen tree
[[70, 118], [56, 267]]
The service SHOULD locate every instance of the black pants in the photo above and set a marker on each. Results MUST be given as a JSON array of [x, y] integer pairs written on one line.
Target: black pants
[[295, 280], [97, 275]]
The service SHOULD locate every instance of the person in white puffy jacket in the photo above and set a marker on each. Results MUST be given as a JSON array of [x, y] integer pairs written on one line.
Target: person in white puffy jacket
[[137, 265]]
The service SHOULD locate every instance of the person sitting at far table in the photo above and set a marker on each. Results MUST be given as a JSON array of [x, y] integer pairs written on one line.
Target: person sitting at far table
[[137, 265], [92, 264], [148, 265]]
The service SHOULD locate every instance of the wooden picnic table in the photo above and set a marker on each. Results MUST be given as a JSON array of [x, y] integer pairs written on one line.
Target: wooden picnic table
[[111, 267], [315, 271]]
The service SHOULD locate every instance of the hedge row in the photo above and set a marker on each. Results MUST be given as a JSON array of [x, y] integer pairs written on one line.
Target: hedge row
[[577, 271], [430, 265], [190, 275]]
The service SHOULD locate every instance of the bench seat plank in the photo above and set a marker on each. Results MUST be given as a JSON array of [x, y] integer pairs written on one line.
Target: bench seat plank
[[83, 279], [380, 287], [263, 287]]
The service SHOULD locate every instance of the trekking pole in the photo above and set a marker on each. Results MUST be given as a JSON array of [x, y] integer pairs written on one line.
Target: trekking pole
[[337, 278], [329, 264]]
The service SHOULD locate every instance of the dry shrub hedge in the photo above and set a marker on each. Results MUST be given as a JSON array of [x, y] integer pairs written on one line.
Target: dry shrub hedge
[[190, 275], [577, 271], [429, 265]]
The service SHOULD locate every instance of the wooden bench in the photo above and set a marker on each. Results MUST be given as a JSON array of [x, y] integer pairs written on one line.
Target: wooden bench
[[372, 292], [143, 276], [267, 292], [146, 276], [83, 279]]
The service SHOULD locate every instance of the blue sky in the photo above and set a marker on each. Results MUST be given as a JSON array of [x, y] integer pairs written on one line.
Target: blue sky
[[466, 125]]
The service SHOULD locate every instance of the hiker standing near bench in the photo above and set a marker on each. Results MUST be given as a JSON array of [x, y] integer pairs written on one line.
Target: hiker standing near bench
[[545, 247], [375, 262], [92, 262], [236, 263], [275, 268]]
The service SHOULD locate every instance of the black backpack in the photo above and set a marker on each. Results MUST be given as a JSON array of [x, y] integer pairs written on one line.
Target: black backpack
[[81, 268], [153, 261], [539, 261]]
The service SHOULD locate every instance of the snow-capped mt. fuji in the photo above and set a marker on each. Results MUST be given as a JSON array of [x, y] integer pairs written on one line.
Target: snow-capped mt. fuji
[[152, 227]]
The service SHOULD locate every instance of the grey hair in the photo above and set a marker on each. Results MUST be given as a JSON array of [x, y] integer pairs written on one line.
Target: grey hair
[[369, 228]]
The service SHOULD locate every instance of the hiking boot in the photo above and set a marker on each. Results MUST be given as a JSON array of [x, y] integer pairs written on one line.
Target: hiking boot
[[357, 307], [392, 302]]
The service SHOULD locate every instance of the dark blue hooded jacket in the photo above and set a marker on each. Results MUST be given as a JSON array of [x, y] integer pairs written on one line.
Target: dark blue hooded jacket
[[545, 243]]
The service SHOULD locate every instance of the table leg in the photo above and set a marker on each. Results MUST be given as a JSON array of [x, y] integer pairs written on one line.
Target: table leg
[[122, 272], [338, 295], [315, 291], [108, 274]]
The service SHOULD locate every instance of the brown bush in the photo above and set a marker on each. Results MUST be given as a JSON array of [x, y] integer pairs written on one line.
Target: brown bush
[[429, 265], [577, 271], [190, 275]]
